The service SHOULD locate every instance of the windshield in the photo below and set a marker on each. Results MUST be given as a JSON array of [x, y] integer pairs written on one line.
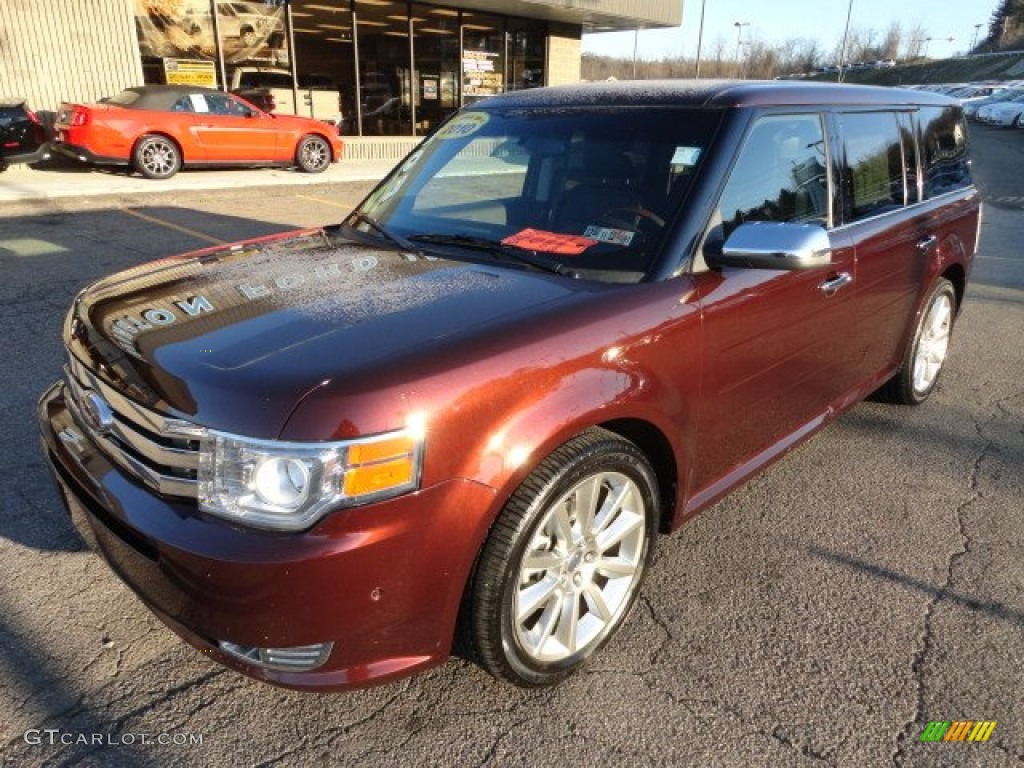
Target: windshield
[[590, 192]]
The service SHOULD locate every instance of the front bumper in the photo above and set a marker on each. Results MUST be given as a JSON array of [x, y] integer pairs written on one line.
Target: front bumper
[[382, 582]]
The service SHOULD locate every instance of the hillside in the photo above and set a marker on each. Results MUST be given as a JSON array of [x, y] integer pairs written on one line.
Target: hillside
[[996, 66]]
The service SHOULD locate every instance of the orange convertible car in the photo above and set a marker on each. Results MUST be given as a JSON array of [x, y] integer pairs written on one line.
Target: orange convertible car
[[156, 129]]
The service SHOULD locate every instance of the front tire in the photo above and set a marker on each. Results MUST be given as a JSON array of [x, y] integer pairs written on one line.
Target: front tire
[[564, 562], [925, 356], [156, 157], [313, 154]]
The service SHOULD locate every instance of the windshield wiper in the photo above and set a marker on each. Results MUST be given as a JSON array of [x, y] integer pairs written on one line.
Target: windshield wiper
[[496, 248], [400, 242]]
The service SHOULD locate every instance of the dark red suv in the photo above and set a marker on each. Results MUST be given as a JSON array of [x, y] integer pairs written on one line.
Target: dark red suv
[[568, 321]]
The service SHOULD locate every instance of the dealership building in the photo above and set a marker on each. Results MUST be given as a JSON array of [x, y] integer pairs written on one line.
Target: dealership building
[[398, 67]]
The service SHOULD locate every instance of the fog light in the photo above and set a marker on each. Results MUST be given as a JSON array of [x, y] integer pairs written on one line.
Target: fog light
[[297, 658]]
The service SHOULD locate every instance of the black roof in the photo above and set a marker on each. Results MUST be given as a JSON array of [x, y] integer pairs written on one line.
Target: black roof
[[159, 97], [714, 93]]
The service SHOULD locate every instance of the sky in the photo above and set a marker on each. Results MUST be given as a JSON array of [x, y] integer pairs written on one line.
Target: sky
[[775, 21]]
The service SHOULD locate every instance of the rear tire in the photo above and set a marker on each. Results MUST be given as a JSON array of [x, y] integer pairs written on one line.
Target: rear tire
[[156, 157], [926, 354], [313, 154], [564, 562]]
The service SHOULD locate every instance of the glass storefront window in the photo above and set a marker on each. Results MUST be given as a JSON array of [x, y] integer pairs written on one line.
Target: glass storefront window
[[325, 59], [385, 72], [526, 54], [483, 56], [436, 54], [354, 63]]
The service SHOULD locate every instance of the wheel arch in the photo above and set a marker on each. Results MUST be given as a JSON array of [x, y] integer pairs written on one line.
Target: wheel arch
[[649, 439], [957, 275], [320, 135], [163, 134], [653, 443]]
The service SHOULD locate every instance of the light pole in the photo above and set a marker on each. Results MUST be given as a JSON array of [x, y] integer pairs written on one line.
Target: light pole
[[747, 46], [846, 36], [977, 29], [700, 36], [739, 40], [636, 46]]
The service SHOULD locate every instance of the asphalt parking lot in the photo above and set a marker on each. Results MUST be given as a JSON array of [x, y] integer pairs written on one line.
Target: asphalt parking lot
[[824, 614]]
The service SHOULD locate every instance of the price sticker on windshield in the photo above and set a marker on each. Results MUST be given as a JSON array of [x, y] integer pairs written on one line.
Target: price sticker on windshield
[[549, 242], [463, 126]]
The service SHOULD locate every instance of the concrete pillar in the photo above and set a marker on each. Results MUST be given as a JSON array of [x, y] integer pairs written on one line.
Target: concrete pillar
[[564, 51]]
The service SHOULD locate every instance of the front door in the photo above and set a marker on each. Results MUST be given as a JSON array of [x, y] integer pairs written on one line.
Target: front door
[[773, 357], [232, 132]]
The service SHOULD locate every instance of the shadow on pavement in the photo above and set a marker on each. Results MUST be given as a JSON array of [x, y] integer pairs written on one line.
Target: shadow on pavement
[[46, 259]]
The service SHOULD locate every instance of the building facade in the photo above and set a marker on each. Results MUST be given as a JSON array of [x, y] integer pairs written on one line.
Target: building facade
[[397, 67]]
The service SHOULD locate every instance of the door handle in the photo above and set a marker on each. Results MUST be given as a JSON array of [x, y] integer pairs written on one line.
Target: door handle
[[833, 284], [928, 244]]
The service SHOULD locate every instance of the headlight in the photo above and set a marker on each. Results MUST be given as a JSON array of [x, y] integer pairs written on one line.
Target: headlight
[[288, 486]]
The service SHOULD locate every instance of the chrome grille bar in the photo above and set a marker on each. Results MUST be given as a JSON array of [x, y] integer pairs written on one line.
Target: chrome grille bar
[[158, 451]]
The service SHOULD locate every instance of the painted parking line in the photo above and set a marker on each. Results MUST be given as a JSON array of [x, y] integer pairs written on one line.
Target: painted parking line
[[323, 201], [171, 225]]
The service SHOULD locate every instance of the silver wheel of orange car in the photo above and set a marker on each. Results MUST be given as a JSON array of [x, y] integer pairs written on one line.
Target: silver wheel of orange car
[[928, 347], [156, 157], [565, 560], [313, 154]]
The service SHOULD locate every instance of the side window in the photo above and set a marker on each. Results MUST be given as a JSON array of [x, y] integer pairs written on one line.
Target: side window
[[222, 104], [780, 175], [944, 158], [873, 173]]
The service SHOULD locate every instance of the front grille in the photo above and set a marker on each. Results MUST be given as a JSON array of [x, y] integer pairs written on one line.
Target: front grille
[[161, 452]]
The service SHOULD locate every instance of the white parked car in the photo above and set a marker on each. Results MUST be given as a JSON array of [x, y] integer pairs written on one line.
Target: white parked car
[[1005, 113], [971, 108]]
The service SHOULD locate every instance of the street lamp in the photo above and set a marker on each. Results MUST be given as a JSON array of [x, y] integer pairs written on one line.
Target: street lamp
[[748, 46], [700, 36], [846, 35], [739, 39], [977, 29]]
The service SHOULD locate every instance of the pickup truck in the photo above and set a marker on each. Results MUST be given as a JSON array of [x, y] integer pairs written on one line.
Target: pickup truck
[[270, 89]]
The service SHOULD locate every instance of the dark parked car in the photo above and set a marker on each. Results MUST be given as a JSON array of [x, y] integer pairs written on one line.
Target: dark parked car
[[571, 319], [22, 136]]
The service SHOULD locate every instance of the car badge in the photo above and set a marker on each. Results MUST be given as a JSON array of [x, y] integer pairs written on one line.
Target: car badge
[[96, 413]]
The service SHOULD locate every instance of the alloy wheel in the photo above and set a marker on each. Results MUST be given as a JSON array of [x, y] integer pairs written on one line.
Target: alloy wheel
[[934, 342], [580, 568]]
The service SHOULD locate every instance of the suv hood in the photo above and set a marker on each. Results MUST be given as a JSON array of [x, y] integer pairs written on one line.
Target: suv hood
[[233, 338]]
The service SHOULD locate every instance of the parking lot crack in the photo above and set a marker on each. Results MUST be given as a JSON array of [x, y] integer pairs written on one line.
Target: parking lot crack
[[807, 749], [662, 625], [489, 756], [927, 638]]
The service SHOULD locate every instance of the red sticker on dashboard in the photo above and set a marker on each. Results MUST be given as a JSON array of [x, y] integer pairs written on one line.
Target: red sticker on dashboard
[[549, 242]]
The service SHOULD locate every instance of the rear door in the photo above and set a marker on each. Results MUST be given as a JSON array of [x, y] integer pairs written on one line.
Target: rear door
[[772, 339], [892, 236]]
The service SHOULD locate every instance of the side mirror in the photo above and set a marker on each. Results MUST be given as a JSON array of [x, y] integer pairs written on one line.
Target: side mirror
[[775, 245]]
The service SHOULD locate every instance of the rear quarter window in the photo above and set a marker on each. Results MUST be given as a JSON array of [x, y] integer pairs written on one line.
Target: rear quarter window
[[944, 152]]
